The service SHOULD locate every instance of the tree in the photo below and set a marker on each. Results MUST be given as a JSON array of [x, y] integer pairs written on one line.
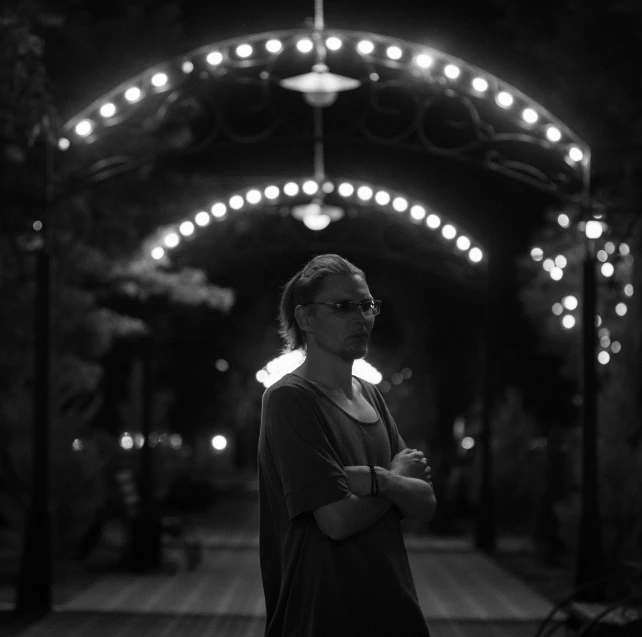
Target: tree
[[588, 53]]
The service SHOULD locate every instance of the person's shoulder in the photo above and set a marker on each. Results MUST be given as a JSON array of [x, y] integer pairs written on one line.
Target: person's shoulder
[[289, 387]]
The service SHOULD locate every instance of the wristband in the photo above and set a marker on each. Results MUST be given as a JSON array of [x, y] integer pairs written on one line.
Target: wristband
[[374, 481]]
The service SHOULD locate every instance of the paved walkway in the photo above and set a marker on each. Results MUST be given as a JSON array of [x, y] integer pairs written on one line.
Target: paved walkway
[[462, 593]]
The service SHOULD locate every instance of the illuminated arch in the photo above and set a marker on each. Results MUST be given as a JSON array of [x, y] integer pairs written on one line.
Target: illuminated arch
[[507, 129], [158, 248]]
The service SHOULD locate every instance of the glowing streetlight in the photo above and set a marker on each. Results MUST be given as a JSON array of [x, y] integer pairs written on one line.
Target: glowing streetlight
[[320, 88]]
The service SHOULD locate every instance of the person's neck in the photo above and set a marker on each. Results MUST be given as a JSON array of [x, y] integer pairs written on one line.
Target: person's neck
[[331, 372]]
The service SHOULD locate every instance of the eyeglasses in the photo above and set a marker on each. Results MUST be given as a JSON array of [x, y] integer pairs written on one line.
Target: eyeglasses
[[348, 308]]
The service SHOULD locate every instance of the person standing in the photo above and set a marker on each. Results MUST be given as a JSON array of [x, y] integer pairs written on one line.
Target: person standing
[[335, 476]]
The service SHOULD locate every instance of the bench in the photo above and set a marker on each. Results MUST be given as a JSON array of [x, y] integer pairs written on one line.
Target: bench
[[618, 615]]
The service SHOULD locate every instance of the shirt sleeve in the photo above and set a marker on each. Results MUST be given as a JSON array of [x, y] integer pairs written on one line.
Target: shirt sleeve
[[309, 468]]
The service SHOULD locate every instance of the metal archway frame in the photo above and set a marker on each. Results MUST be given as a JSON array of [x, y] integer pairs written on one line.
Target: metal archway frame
[[412, 97]]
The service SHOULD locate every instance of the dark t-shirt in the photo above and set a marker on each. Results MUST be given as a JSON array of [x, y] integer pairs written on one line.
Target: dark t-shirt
[[315, 586]]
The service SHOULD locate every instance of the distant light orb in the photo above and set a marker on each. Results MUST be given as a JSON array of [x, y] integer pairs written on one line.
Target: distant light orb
[[607, 269], [598, 320], [530, 116], [84, 128], [327, 187], [616, 347], [400, 204], [560, 261], [394, 52], [305, 45], [382, 198], [63, 143], [291, 189], [127, 441], [568, 321], [449, 232], [159, 80], [480, 84], [593, 229], [333, 43], [202, 219], [467, 443], [558, 310], [570, 302], [475, 255], [37, 226], [186, 228], [253, 197], [78, 445], [505, 99], [366, 47], [310, 187], [564, 220], [346, 190], [222, 365], [605, 341], [219, 209], [628, 289], [433, 221], [463, 243], [602, 256], [553, 134], [271, 192], [187, 66], [236, 202], [108, 110], [423, 61], [621, 309], [133, 94], [537, 254], [171, 240], [158, 253], [273, 46], [452, 71], [219, 443], [244, 50], [418, 213], [548, 264], [609, 247], [575, 154], [364, 193], [624, 249], [556, 273], [214, 58], [604, 357]]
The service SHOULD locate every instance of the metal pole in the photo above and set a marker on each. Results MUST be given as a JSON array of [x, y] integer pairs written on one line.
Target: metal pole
[[590, 556], [486, 532], [34, 592]]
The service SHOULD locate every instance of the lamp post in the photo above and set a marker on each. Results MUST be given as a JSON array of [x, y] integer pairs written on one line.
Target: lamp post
[[34, 592], [590, 556]]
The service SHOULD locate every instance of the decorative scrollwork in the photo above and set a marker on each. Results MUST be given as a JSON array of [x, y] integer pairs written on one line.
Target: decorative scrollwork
[[393, 112], [186, 121]]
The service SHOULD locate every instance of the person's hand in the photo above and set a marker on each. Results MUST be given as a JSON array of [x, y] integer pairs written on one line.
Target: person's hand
[[411, 463]]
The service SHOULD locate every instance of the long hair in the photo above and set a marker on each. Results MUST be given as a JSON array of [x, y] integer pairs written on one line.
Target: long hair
[[302, 287]]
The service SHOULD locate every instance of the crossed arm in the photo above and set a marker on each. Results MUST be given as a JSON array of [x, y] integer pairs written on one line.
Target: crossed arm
[[413, 497]]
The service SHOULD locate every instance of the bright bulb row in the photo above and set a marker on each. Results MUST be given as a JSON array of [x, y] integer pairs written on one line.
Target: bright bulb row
[[310, 187], [305, 45], [417, 212]]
